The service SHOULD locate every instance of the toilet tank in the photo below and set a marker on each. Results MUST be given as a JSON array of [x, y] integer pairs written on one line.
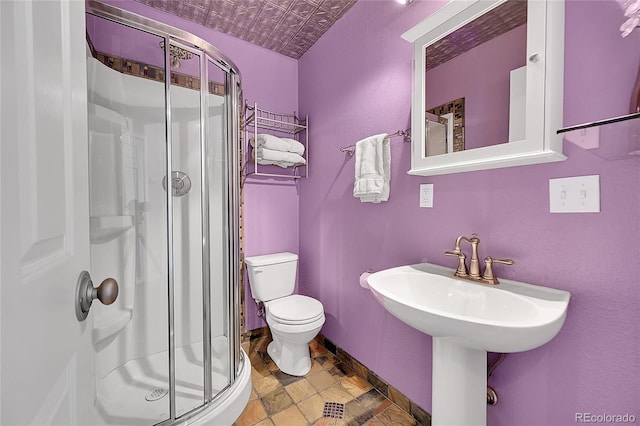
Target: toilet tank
[[272, 275]]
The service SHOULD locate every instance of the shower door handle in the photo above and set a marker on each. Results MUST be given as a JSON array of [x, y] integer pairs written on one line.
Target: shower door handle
[[106, 292]]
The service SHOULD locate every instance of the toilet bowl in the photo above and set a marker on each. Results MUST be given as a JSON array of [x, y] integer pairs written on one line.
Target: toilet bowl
[[294, 320]]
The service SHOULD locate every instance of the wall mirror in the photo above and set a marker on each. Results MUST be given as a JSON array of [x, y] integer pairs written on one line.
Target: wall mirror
[[504, 60]]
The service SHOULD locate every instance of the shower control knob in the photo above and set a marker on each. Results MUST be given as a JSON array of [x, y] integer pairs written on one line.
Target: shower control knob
[[106, 292]]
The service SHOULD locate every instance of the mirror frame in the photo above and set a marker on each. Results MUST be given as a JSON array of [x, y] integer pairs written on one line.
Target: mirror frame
[[544, 89]]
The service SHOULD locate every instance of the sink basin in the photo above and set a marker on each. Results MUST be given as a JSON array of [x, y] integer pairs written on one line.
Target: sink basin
[[468, 319], [508, 317]]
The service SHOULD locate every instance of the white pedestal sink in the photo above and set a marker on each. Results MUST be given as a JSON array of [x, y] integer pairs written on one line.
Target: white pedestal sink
[[467, 320]]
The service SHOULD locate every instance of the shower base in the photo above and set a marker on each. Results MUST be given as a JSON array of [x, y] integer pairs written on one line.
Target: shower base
[[123, 395]]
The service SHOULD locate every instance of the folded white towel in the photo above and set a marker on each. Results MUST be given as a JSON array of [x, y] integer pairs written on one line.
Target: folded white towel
[[277, 144], [280, 158], [372, 169]]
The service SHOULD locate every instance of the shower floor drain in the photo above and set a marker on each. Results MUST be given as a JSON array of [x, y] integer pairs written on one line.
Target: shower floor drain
[[335, 410], [156, 394]]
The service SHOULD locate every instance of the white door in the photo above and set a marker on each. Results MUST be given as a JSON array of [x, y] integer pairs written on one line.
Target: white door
[[46, 356]]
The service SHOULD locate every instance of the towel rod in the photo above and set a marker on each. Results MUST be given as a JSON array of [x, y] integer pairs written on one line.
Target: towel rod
[[404, 133]]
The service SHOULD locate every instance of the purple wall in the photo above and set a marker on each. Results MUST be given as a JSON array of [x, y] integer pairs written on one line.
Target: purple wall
[[482, 77], [356, 81], [271, 206]]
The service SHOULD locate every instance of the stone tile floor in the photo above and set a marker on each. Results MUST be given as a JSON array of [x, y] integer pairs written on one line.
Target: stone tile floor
[[278, 399]]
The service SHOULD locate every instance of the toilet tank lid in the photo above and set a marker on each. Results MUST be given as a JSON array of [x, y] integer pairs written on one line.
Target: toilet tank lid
[[270, 259]]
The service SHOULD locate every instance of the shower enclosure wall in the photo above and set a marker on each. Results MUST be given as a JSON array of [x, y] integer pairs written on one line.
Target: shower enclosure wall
[[164, 188]]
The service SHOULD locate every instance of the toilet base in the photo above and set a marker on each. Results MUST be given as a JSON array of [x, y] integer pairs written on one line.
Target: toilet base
[[293, 359]]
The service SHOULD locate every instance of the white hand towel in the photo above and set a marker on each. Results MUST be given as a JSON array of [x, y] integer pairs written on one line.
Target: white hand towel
[[277, 144], [372, 169], [280, 158]]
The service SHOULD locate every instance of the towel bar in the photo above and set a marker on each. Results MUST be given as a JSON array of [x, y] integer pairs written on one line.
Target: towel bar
[[404, 133]]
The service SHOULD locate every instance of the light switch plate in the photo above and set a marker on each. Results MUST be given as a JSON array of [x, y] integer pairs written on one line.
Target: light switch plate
[[426, 195], [580, 194]]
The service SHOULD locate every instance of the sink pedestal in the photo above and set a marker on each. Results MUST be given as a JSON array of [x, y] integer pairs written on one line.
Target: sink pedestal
[[459, 384]]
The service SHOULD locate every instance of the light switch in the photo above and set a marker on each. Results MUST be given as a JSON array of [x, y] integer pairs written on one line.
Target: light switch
[[580, 194], [426, 195]]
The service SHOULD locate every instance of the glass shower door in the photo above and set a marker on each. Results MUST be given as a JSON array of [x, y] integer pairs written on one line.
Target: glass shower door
[[200, 228], [189, 247], [217, 167], [128, 224]]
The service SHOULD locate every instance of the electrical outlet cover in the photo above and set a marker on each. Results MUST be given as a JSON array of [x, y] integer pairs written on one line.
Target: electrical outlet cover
[[426, 195]]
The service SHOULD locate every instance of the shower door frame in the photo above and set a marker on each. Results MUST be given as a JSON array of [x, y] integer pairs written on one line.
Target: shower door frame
[[233, 93]]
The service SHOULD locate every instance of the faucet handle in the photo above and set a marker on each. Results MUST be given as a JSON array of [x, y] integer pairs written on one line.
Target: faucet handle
[[488, 275], [462, 262], [503, 261]]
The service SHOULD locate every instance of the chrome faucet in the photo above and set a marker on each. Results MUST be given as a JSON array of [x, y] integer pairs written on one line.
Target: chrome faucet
[[473, 273]]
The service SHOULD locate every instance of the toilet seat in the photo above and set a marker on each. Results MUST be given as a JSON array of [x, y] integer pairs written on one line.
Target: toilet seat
[[295, 309]]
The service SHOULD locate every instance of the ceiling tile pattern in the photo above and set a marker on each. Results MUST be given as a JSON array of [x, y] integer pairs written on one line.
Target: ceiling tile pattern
[[509, 15], [289, 27]]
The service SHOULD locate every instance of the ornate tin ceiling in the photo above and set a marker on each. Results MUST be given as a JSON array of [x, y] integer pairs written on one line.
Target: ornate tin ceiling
[[289, 27], [498, 21]]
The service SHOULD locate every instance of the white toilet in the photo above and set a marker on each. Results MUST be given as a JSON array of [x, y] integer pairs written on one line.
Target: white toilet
[[294, 320]]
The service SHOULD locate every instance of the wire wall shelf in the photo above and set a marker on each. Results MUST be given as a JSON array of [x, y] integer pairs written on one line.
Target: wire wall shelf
[[259, 120]]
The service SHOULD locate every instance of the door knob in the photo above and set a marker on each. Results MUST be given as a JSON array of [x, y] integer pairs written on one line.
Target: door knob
[[106, 292]]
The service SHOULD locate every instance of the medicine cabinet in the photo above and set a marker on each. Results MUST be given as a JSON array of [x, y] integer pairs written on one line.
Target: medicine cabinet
[[528, 106]]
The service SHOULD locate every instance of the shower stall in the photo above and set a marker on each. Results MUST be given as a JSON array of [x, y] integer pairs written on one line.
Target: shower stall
[[163, 113]]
